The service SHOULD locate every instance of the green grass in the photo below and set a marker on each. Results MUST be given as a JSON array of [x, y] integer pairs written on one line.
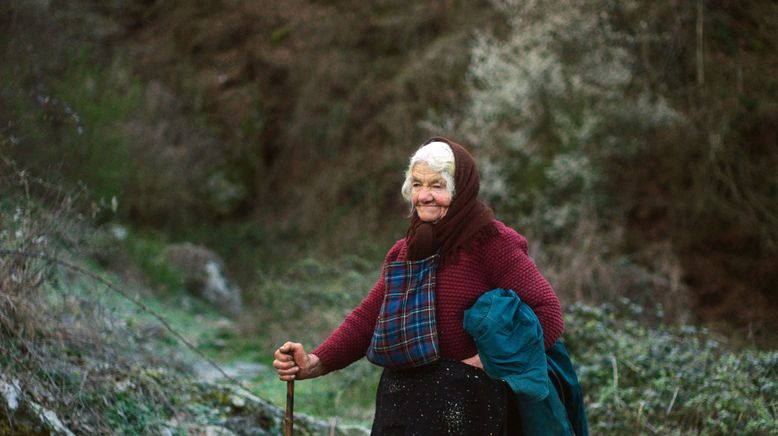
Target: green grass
[[133, 414], [304, 302], [348, 395], [322, 291]]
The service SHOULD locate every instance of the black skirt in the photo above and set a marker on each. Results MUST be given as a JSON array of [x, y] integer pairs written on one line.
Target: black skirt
[[443, 398]]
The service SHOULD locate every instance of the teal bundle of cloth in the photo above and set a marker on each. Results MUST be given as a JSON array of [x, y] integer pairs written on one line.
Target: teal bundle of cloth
[[548, 397]]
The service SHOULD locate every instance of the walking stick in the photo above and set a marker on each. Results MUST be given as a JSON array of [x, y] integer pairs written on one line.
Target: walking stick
[[289, 417]]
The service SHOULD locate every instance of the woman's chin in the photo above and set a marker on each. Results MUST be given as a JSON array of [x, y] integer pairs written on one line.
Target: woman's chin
[[429, 217]]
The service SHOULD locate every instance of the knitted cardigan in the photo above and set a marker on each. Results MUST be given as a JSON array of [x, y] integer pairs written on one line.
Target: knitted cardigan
[[500, 262]]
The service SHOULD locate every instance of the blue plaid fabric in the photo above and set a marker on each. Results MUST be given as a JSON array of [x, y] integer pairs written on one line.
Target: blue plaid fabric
[[405, 334]]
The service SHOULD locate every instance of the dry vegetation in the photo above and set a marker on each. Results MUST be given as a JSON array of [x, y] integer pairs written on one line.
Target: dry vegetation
[[83, 353], [62, 348]]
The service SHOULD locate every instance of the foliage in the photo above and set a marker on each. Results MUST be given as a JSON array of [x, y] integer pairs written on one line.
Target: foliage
[[668, 380], [60, 343], [74, 108], [83, 349], [258, 111], [552, 105], [606, 134], [80, 108]]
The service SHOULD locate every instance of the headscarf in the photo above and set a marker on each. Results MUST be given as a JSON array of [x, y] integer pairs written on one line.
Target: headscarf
[[466, 222]]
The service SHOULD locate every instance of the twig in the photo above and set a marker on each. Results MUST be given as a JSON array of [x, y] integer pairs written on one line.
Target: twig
[[672, 401], [135, 301], [651, 428], [615, 375]]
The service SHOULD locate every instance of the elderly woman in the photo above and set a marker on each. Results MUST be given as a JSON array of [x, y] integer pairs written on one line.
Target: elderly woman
[[465, 252]]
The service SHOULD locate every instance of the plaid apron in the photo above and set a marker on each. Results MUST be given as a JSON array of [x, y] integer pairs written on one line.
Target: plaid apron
[[405, 334]]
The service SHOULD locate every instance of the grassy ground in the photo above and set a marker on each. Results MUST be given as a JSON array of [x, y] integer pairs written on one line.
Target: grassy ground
[[301, 301], [346, 396]]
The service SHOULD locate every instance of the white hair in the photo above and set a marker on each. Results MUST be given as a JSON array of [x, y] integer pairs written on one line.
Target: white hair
[[439, 157]]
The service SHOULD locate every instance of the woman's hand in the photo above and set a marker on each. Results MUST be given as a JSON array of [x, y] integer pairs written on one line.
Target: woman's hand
[[474, 361], [293, 363]]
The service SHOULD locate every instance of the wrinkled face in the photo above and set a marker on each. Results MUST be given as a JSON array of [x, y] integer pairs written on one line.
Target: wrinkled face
[[429, 194]]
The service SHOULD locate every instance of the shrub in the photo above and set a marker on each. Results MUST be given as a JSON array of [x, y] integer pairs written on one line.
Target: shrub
[[552, 105], [668, 380], [612, 134], [62, 346]]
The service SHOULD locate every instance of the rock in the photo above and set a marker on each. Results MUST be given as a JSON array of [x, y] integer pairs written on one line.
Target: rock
[[238, 402], [21, 415], [205, 276], [119, 232], [213, 430]]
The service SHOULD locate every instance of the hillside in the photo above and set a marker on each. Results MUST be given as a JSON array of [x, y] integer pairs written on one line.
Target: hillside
[[631, 142], [288, 124], [88, 351]]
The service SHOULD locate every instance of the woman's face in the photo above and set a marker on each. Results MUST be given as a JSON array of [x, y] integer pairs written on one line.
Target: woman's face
[[429, 194]]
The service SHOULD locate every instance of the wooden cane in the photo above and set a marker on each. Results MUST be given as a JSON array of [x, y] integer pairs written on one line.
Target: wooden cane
[[289, 417]]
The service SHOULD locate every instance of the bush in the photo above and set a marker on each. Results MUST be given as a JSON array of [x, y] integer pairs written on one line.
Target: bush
[[61, 343], [552, 105], [633, 166], [668, 380]]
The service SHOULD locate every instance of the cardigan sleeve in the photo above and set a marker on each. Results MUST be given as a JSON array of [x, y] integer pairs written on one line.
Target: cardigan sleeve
[[510, 267], [349, 342]]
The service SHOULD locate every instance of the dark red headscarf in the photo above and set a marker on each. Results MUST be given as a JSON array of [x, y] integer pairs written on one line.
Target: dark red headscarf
[[467, 221]]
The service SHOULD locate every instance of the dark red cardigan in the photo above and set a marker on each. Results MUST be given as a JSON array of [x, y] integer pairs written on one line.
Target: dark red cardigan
[[501, 262]]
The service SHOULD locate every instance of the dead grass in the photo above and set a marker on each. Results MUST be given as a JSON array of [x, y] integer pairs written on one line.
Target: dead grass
[[59, 342]]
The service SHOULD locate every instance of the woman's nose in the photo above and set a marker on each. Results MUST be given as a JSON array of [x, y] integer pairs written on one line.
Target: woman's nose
[[425, 195]]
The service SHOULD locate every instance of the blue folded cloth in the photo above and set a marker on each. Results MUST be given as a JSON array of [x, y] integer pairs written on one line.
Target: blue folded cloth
[[510, 343], [549, 399]]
